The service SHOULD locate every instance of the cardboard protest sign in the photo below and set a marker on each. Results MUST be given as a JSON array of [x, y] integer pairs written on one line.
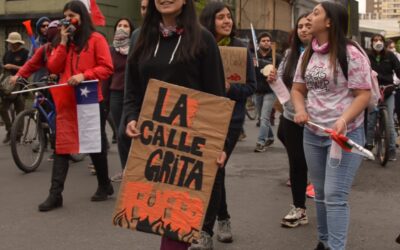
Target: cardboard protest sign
[[172, 165], [234, 60]]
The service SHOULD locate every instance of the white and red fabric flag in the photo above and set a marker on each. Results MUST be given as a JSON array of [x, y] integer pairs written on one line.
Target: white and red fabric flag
[[98, 18], [81, 126]]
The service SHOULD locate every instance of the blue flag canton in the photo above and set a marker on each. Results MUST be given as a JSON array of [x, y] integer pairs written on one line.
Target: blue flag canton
[[86, 92]]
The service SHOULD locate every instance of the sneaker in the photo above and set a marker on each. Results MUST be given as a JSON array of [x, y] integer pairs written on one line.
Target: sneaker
[[6, 138], [321, 246], [205, 242], [224, 233], [260, 148], [269, 142], [242, 136], [392, 156], [310, 192], [92, 169], [296, 217], [51, 157], [117, 177]]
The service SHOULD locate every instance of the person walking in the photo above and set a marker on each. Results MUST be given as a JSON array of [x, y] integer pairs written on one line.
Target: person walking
[[384, 63], [265, 97], [290, 133], [333, 75], [13, 60], [172, 47], [114, 86], [217, 18], [82, 54]]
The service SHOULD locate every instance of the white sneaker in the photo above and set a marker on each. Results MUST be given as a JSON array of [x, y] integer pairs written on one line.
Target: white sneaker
[[296, 217], [204, 243], [224, 233]]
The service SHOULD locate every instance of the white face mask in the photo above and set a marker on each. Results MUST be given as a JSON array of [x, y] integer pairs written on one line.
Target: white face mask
[[124, 29], [378, 46]]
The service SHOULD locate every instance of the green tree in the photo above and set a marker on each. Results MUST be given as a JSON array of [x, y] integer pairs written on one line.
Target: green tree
[[200, 4]]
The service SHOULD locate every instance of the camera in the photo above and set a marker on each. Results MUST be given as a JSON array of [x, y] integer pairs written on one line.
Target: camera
[[65, 22]]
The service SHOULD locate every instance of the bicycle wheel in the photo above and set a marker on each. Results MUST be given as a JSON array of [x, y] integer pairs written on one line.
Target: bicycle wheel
[[27, 140], [77, 157], [251, 110], [383, 138]]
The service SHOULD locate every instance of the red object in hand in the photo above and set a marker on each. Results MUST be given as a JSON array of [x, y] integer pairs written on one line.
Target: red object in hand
[[234, 77], [28, 27]]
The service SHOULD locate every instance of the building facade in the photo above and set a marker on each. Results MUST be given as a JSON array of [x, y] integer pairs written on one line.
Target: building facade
[[383, 9], [14, 12]]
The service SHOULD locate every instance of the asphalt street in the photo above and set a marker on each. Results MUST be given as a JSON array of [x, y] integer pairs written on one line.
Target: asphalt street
[[257, 200]]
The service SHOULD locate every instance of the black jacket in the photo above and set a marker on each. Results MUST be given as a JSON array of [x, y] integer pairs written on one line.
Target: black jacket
[[262, 85], [204, 73], [240, 92], [385, 67]]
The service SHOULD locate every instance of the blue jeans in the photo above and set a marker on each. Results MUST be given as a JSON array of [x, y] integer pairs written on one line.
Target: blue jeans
[[332, 185], [372, 119], [265, 103]]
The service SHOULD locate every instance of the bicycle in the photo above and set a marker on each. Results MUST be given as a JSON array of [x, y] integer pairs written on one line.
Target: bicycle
[[382, 129], [28, 132]]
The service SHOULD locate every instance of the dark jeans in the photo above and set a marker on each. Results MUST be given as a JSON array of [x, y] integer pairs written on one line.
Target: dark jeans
[[218, 205], [124, 142], [61, 163], [291, 135], [19, 105], [397, 104]]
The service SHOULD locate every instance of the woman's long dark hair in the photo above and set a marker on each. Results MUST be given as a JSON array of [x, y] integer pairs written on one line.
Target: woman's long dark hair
[[191, 44], [85, 28], [338, 41], [294, 54], [129, 22], [207, 17]]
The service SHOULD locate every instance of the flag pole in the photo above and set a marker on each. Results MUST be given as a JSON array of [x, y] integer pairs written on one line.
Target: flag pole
[[365, 152], [49, 87]]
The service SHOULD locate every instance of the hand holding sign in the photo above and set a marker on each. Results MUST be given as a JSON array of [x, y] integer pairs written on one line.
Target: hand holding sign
[[131, 129]]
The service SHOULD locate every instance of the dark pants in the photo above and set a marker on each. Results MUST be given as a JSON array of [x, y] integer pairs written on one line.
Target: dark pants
[[168, 244], [19, 105], [123, 141], [291, 135], [61, 163], [218, 205], [397, 104]]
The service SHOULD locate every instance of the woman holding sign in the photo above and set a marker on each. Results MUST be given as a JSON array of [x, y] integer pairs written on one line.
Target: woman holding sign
[[333, 76], [173, 47], [82, 54], [290, 133], [217, 18]]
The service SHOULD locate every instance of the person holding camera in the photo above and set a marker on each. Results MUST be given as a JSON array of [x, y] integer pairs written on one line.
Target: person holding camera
[[82, 54]]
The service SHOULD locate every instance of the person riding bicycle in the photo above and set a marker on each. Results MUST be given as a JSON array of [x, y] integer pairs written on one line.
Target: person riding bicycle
[[384, 62]]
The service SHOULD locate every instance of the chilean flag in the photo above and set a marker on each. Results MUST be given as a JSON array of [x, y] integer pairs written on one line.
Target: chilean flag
[[78, 129], [98, 18]]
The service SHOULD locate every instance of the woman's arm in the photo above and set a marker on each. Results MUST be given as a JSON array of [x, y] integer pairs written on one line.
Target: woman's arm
[[104, 66], [298, 95], [359, 104], [33, 64], [212, 70]]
